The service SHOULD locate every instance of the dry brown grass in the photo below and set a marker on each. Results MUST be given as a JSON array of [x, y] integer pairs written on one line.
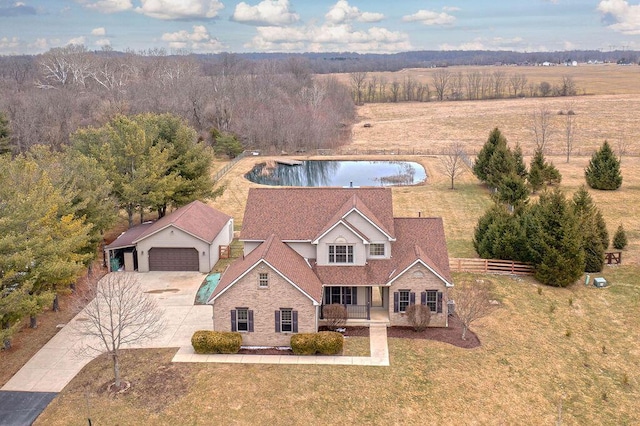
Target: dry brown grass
[[575, 346]]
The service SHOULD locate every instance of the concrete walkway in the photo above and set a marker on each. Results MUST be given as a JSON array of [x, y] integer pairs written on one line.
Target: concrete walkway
[[58, 362], [377, 338], [53, 366]]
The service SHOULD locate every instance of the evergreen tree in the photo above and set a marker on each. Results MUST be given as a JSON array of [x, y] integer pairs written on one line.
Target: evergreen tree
[[555, 243], [620, 239], [481, 165], [5, 141], [512, 191], [152, 161], [541, 172], [603, 171], [41, 246], [501, 164], [521, 169], [536, 172]]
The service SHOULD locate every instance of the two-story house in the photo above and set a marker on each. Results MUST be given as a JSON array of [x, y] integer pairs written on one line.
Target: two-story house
[[305, 248]]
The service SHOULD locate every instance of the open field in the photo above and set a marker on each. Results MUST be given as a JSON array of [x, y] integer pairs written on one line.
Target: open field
[[545, 351], [590, 79], [460, 208], [572, 349]]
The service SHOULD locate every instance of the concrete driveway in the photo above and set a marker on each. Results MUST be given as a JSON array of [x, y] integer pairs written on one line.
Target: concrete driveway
[[53, 367]]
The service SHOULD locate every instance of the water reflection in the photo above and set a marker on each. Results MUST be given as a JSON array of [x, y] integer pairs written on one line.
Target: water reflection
[[338, 173]]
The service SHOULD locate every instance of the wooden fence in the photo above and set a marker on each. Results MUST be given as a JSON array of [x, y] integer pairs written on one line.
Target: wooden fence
[[490, 266], [220, 173]]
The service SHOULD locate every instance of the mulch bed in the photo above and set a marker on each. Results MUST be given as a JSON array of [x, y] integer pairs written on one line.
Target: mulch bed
[[451, 335]]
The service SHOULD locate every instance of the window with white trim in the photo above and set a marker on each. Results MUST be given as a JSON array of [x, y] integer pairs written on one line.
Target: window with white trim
[[286, 320], [263, 280], [242, 319], [376, 249], [403, 300], [340, 253], [432, 300]]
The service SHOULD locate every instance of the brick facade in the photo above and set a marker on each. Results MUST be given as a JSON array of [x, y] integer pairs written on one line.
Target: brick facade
[[264, 302], [418, 279]]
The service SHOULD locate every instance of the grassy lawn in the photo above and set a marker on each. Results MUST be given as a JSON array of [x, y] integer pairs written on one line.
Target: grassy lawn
[[574, 348], [545, 351]]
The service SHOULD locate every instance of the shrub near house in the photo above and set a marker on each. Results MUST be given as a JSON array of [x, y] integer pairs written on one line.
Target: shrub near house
[[306, 249]]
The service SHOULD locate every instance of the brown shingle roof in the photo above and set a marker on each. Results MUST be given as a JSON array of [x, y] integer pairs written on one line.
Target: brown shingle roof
[[283, 259], [303, 213], [196, 218], [421, 238], [416, 239], [127, 238]]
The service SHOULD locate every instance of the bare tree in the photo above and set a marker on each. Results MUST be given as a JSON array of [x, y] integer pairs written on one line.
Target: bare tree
[[472, 301], [623, 147], [541, 127], [569, 130], [474, 80], [499, 81], [441, 81], [517, 83], [453, 162], [357, 83], [119, 315]]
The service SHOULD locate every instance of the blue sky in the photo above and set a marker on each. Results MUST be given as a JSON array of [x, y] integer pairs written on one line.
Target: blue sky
[[379, 26]]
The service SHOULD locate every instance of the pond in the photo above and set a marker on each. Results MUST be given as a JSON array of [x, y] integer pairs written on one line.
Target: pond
[[337, 173]]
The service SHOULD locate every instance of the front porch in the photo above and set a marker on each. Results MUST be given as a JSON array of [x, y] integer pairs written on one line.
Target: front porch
[[365, 305]]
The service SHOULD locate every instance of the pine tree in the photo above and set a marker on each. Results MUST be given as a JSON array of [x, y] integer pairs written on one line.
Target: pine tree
[[603, 171], [593, 229], [521, 169], [542, 173], [512, 191], [554, 241], [536, 172], [501, 164], [620, 239], [481, 165]]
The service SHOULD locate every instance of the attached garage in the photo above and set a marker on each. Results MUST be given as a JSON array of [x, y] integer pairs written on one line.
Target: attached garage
[[173, 259]]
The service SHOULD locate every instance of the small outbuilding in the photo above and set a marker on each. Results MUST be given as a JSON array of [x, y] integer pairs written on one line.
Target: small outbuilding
[[188, 239]]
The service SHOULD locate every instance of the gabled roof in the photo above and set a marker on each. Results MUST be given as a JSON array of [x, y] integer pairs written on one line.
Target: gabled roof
[[421, 240], [127, 238], [283, 259], [354, 204], [302, 214], [418, 240], [196, 219]]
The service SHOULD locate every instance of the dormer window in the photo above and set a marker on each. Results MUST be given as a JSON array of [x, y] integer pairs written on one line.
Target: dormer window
[[376, 249], [340, 253]]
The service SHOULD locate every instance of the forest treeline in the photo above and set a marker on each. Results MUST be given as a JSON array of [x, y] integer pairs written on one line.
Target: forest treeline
[[270, 105], [446, 85]]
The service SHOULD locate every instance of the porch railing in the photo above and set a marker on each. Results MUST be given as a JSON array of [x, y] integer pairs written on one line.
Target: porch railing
[[353, 311]]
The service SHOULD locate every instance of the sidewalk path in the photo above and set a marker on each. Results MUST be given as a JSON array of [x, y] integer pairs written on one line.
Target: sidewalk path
[[377, 338], [53, 366]]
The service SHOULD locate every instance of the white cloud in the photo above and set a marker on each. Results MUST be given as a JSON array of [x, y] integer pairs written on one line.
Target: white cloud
[[265, 13], [107, 6], [430, 17], [198, 41], [8, 44], [103, 42], [180, 9], [98, 31], [328, 38], [342, 12], [77, 40], [496, 43], [621, 16]]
